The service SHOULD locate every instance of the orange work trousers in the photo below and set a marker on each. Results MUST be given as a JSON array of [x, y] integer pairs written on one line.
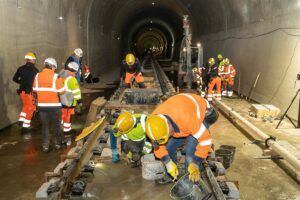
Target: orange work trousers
[[28, 109], [66, 115], [215, 82], [138, 78], [227, 86]]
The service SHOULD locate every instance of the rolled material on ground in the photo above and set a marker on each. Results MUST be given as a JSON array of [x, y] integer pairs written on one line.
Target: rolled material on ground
[[257, 133]]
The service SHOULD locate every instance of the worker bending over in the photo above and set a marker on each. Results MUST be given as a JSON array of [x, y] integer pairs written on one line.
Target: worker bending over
[[24, 76], [214, 80], [182, 119], [76, 57], [228, 76], [71, 98], [131, 71], [48, 86], [130, 127]]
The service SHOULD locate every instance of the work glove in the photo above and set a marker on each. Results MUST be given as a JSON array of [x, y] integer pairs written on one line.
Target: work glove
[[194, 172], [115, 156], [172, 169]]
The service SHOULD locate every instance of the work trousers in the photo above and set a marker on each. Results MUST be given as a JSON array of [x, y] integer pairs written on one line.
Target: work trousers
[[66, 115], [47, 116], [227, 86], [28, 109], [216, 81], [135, 147], [139, 79], [191, 144]]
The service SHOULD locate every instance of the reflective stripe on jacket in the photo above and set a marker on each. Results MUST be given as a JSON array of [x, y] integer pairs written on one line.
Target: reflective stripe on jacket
[[187, 111], [47, 85]]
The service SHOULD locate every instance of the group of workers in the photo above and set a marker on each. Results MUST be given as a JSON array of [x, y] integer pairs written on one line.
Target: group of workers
[[219, 75], [53, 95]]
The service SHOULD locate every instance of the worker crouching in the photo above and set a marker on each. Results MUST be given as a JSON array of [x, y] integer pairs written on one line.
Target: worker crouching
[[48, 86], [131, 72], [24, 76], [130, 128], [228, 77], [214, 80], [71, 98], [183, 119]]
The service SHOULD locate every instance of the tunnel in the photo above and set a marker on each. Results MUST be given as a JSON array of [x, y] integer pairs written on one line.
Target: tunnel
[[260, 37]]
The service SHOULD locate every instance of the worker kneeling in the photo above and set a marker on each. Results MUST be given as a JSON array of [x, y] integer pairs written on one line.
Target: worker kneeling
[[71, 98], [182, 119], [129, 127], [131, 72]]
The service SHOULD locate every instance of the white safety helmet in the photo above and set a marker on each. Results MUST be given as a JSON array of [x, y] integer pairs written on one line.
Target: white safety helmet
[[74, 66], [78, 52], [51, 62]]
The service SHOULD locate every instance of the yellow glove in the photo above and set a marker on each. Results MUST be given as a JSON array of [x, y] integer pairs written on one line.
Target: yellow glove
[[194, 172], [172, 169]]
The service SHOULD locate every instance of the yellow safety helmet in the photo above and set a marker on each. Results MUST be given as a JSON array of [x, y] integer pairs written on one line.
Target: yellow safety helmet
[[130, 59], [195, 69], [220, 57], [157, 129], [125, 122], [226, 61], [30, 56], [211, 61]]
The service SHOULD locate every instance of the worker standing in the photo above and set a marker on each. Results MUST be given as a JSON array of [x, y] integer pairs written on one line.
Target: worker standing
[[198, 72], [214, 80], [76, 57], [70, 99], [48, 86], [182, 119], [130, 128], [229, 75], [131, 71], [24, 76]]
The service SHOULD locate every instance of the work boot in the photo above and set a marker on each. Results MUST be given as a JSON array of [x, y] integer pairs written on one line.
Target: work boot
[[47, 149], [115, 156], [164, 180]]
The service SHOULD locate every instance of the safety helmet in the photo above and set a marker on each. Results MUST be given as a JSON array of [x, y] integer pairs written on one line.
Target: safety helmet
[[74, 66], [226, 61], [220, 57], [78, 52], [130, 59], [51, 62], [157, 129], [125, 122], [211, 115], [30, 56], [195, 69], [211, 61]]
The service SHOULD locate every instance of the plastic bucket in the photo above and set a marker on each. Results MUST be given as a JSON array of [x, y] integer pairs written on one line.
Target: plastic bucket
[[226, 156], [152, 169], [230, 148], [184, 189]]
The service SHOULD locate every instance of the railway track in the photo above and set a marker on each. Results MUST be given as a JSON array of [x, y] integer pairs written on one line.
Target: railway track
[[71, 177]]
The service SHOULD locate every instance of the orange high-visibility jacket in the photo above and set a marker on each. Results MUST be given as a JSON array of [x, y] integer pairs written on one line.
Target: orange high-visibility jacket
[[229, 71], [187, 111], [47, 85]]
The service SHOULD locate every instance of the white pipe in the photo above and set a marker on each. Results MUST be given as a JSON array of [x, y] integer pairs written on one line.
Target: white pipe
[[256, 132]]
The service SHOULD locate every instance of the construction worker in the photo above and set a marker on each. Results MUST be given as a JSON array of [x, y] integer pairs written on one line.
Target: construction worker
[[76, 57], [88, 77], [198, 72], [131, 71], [229, 75], [130, 127], [220, 60], [48, 86], [71, 98], [24, 76], [214, 80], [182, 119]]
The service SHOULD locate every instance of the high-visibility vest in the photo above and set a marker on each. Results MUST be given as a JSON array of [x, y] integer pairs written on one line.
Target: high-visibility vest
[[73, 93], [47, 85], [187, 111], [229, 71]]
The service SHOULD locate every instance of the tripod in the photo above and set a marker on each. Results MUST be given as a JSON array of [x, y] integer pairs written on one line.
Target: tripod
[[285, 113]]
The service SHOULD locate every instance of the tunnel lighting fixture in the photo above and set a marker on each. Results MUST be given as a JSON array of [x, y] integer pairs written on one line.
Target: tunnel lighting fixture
[[60, 18], [199, 45], [184, 49], [151, 22], [118, 38], [153, 3]]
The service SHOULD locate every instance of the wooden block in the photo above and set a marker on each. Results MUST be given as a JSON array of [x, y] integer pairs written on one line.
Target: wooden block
[[95, 107], [264, 110]]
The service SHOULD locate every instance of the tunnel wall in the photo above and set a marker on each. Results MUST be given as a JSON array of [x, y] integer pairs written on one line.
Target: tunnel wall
[[33, 26], [261, 46]]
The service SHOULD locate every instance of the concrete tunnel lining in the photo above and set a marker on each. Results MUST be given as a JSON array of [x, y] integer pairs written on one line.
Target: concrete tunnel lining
[[101, 24]]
